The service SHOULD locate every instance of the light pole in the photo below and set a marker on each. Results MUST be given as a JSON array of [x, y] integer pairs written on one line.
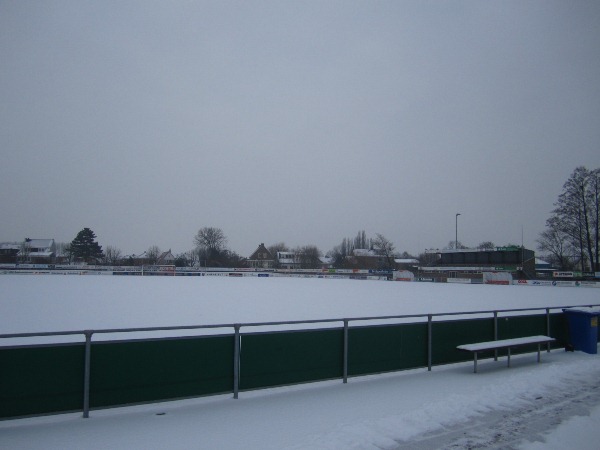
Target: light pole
[[456, 235]]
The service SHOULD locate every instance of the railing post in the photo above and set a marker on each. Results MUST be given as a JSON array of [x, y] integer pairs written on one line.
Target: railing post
[[345, 374], [236, 361], [429, 343], [86, 373], [496, 334], [548, 328]]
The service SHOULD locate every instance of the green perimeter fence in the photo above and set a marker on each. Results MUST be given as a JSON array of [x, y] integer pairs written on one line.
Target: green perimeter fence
[[56, 378]]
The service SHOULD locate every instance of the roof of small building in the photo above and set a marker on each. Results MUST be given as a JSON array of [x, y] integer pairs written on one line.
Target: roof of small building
[[165, 256], [10, 246], [406, 261], [262, 250], [40, 243]]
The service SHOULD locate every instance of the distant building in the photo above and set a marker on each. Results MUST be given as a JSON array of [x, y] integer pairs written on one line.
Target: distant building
[[287, 260], [165, 259], [471, 263], [406, 263], [31, 251], [138, 260], [544, 269], [9, 252], [366, 259], [261, 258]]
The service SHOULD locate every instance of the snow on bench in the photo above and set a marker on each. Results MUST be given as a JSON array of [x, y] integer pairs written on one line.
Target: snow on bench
[[505, 343]]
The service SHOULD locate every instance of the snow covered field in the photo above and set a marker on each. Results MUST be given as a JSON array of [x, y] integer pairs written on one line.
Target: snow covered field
[[555, 404], [57, 302]]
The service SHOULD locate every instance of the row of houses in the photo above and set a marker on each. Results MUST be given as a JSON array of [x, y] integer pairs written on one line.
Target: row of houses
[[262, 258], [462, 263], [471, 264], [44, 251]]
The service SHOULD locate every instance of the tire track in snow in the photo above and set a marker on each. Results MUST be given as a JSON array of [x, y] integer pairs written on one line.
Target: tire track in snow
[[507, 429]]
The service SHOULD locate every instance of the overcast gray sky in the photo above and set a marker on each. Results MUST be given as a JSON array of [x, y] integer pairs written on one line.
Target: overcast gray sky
[[294, 121]]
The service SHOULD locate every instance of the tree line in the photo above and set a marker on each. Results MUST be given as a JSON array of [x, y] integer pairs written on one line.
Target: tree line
[[210, 250], [570, 240]]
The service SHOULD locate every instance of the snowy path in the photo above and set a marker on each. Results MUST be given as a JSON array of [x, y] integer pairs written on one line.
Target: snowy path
[[507, 429], [449, 408]]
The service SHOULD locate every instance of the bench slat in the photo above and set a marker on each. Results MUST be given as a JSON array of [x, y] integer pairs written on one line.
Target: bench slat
[[493, 345]]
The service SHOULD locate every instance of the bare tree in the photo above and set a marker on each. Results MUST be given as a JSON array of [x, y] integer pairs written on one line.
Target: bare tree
[[112, 255], [278, 247], [385, 248], [153, 253], [210, 244], [309, 257], [555, 243], [487, 245], [453, 245], [232, 259], [211, 238], [192, 258], [63, 250], [186, 259], [360, 241], [577, 213], [594, 200]]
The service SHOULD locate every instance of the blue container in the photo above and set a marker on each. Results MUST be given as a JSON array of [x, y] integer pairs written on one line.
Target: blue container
[[583, 329]]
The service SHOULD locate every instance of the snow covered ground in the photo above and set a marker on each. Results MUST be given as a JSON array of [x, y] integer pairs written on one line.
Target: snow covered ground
[[62, 302], [555, 404]]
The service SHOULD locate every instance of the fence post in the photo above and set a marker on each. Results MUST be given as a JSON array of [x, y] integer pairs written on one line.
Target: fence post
[[429, 338], [548, 328], [86, 373], [345, 375], [236, 361], [496, 334]]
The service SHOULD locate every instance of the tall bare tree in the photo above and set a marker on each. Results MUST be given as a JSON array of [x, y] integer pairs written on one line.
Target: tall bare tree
[[340, 253], [576, 213], [152, 254], [360, 241], [384, 247], [555, 245], [112, 255], [210, 244], [309, 257]]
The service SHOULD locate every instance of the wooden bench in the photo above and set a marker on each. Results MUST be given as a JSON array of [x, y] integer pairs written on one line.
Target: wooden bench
[[505, 343]]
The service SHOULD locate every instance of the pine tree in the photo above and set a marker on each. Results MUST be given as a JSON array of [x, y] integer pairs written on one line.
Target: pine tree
[[85, 246]]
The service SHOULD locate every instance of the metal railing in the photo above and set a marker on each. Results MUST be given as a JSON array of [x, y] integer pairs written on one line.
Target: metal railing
[[87, 334]]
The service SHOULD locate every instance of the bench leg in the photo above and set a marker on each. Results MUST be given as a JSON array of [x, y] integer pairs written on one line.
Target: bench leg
[[539, 346], [508, 357], [474, 362]]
